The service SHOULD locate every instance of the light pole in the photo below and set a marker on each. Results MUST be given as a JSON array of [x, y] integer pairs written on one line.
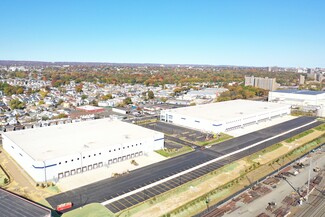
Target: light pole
[[310, 167], [207, 201]]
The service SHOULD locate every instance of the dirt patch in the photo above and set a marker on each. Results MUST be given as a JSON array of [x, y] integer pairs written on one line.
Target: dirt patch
[[267, 157]]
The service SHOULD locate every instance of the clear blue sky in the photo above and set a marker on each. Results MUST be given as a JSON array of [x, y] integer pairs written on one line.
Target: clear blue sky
[[218, 32]]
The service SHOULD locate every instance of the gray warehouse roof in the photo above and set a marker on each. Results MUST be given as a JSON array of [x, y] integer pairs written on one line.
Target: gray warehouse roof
[[304, 92], [57, 141]]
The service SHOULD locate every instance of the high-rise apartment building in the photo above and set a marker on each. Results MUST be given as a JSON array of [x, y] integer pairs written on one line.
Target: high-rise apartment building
[[301, 80], [264, 83]]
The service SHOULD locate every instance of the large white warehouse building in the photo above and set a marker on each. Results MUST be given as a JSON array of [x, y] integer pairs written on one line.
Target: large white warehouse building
[[298, 97], [54, 152], [305, 99], [224, 116]]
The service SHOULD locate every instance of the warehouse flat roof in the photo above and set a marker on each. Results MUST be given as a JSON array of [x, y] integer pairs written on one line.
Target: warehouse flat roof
[[57, 141], [304, 92], [228, 110]]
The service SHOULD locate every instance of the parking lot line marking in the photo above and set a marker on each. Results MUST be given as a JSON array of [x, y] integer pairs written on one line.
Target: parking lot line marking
[[112, 204], [131, 201], [162, 189], [119, 202], [197, 172], [173, 181], [167, 185], [190, 177], [153, 191], [141, 196], [135, 199], [125, 202]]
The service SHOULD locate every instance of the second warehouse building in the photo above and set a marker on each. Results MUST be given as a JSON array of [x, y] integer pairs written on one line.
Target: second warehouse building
[[224, 116]]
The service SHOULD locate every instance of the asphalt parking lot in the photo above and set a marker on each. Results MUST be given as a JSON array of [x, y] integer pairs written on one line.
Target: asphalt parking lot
[[134, 199], [113, 187], [178, 131], [15, 206]]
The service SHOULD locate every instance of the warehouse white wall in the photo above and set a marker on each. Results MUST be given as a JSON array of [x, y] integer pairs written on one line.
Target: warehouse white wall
[[33, 168]]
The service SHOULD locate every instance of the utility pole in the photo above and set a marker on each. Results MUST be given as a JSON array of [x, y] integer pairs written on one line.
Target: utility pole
[[207, 201], [310, 168]]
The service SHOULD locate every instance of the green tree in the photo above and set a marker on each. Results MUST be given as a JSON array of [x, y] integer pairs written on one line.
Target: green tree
[[107, 96], [127, 101], [43, 94], [20, 90], [83, 96], [60, 101], [163, 99], [151, 95], [94, 103], [16, 104], [60, 116], [45, 118]]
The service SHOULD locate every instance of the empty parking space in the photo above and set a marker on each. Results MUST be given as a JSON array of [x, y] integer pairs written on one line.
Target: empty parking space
[[164, 187], [16, 206], [179, 132]]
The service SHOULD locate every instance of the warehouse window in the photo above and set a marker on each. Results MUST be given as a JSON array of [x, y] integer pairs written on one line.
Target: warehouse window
[[119, 148], [83, 157], [77, 158], [123, 147], [128, 146], [88, 155], [12, 147], [100, 153], [132, 145], [109, 150], [71, 160], [114, 149], [140, 143], [59, 163], [94, 154], [66, 161]]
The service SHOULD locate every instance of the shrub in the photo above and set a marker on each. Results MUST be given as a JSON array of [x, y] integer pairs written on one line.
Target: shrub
[[6, 180]]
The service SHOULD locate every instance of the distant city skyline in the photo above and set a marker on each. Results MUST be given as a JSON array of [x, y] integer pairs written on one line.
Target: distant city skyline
[[242, 33]]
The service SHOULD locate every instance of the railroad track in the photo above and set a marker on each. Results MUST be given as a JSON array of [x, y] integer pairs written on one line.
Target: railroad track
[[316, 206]]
